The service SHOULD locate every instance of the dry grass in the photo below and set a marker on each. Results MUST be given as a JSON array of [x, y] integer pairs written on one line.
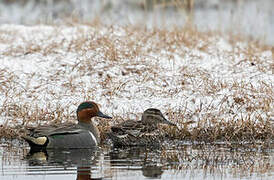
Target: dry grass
[[242, 113]]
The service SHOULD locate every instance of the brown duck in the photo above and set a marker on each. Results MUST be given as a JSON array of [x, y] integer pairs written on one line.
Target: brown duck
[[139, 133]]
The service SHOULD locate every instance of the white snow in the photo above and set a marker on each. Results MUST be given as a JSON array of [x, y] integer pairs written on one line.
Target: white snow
[[41, 67]]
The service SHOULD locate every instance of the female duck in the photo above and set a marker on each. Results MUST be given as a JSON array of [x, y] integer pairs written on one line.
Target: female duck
[[82, 135], [139, 133]]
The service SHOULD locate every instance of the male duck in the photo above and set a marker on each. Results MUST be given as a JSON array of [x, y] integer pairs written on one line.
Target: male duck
[[82, 135], [139, 133]]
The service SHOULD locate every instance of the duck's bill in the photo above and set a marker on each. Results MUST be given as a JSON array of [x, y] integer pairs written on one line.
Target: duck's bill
[[168, 122], [100, 114]]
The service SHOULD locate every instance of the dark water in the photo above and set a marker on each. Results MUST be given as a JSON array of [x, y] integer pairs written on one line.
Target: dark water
[[175, 162]]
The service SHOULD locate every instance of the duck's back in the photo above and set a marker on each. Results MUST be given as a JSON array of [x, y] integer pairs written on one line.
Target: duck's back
[[132, 133], [127, 126], [67, 137], [72, 140]]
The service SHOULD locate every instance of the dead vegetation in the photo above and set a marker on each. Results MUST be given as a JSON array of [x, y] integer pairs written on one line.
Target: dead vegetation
[[221, 104]]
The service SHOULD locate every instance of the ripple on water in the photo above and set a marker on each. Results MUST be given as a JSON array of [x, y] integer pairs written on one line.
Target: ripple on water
[[182, 161]]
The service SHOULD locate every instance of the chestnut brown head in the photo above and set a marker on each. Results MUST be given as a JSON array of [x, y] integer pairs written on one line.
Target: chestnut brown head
[[87, 110]]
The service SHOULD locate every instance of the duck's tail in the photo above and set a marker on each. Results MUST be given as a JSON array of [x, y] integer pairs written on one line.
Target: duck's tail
[[38, 142]]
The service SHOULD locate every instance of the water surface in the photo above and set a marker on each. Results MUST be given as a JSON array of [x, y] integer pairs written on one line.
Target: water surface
[[176, 162]]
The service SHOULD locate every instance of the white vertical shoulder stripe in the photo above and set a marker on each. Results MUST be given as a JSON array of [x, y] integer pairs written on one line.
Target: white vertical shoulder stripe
[[93, 137]]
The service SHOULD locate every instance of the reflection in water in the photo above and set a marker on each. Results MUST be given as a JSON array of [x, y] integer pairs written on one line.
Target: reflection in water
[[152, 171], [83, 173], [70, 157], [176, 162], [137, 157], [83, 159]]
